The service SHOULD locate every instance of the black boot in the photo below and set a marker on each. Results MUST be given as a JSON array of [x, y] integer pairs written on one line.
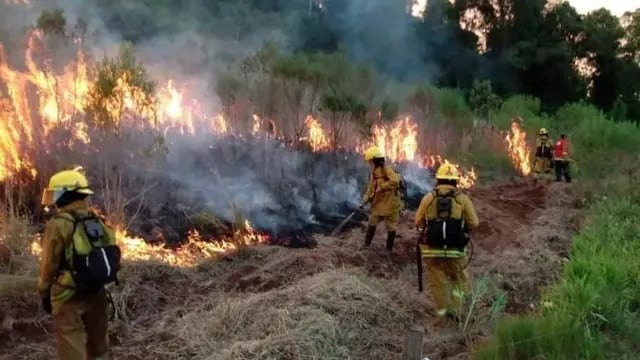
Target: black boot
[[371, 230], [391, 237]]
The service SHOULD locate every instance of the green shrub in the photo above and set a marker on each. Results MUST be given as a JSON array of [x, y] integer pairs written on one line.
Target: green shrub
[[527, 107], [594, 312]]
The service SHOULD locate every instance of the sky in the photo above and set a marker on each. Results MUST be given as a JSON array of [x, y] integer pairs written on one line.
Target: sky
[[617, 7]]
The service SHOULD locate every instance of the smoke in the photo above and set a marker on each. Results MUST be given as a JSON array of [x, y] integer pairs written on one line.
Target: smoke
[[280, 190], [380, 32], [192, 41]]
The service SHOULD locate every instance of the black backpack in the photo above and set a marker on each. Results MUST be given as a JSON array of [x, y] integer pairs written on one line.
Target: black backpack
[[93, 258], [444, 231], [544, 150]]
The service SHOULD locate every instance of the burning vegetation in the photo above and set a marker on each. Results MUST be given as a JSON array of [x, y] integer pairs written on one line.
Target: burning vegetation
[[518, 148], [175, 173], [193, 184], [139, 139]]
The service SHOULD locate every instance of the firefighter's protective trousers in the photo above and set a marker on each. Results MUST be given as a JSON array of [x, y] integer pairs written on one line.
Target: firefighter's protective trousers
[[81, 328]]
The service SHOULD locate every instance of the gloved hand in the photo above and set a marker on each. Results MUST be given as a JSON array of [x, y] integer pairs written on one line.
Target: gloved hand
[[46, 302], [363, 203]]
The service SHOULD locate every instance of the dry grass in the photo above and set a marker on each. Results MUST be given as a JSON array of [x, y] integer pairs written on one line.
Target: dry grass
[[16, 236], [267, 302], [338, 314], [16, 285]]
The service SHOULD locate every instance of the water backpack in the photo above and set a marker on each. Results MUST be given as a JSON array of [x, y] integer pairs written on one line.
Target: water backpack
[[93, 257], [446, 230]]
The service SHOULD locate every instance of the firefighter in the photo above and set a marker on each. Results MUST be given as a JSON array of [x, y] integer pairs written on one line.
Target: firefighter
[[561, 159], [544, 153], [80, 321], [444, 218], [383, 194]]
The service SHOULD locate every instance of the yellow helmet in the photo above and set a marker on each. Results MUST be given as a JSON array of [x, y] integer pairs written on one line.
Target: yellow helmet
[[62, 182], [447, 171], [373, 153], [543, 131]]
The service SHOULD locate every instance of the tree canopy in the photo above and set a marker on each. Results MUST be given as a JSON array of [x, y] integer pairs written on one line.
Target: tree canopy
[[528, 46]]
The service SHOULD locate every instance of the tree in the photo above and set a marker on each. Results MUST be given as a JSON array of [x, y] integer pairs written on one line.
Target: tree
[[389, 109], [52, 22], [630, 79], [448, 48], [343, 107], [122, 84]]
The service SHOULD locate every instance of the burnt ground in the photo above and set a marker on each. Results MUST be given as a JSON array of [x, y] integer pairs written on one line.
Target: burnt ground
[[524, 237]]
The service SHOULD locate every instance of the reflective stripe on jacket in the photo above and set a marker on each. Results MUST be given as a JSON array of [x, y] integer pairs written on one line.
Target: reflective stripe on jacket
[[426, 251], [427, 210]]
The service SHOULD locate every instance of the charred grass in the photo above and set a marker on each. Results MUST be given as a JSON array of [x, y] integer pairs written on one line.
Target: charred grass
[[316, 307], [335, 301]]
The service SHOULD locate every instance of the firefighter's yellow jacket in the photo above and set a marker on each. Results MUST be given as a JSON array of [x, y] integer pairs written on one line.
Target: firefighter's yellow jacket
[[58, 235], [382, 192]]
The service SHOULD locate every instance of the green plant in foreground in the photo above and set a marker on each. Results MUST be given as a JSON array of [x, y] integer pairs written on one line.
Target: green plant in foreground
[[472, 313], [594, 312]]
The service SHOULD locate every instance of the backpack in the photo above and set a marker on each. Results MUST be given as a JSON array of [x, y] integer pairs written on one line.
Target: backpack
[[445, 231], [93, 258], [544, 148]]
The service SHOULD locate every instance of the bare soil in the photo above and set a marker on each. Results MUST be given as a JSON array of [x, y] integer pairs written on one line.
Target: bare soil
[[524, 237]]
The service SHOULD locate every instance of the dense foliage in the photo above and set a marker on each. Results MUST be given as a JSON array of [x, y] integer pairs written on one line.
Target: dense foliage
[[530, 47]]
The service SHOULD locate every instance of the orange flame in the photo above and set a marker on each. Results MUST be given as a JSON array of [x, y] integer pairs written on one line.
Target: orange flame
[[255, 129], [518, 150], [220, 125], [189, 254], [317, 138], [399, 141], [194, 250], [468, 178]]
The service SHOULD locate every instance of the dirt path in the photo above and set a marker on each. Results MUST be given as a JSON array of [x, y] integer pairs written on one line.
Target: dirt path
[[524, 237], [521, 244]]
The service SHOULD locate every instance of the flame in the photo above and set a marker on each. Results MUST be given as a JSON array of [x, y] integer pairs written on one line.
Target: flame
[[63, 94], [36, 247], [468, 178], [397, 142], [220, 125], [518, 150], [317, 138], [194, 250], [174, 106], [256, 125]]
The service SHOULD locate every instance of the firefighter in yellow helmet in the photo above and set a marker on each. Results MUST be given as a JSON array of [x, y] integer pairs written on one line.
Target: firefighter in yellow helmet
[[80, 320], [444, 218], [383, 194], [544, 153]]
